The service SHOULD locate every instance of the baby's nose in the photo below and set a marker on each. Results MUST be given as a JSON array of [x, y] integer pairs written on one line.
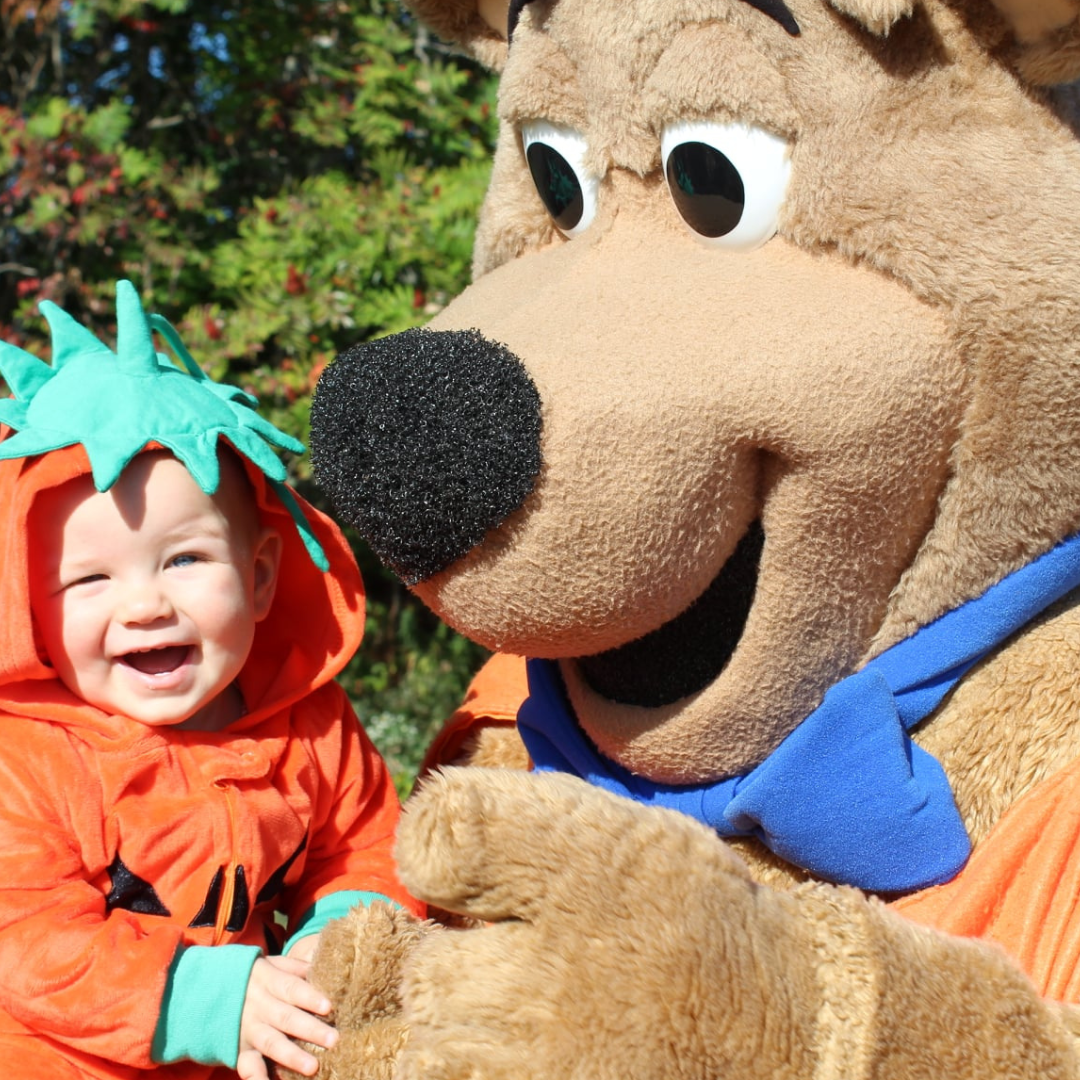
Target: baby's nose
[[143, 601]]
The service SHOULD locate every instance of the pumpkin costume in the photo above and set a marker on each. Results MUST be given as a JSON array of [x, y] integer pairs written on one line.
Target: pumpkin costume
[[143, 868]]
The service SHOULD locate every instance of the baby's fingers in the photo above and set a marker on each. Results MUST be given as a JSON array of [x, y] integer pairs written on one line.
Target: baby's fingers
[[287, 984], [279, 1048], [251, 1065], [274, 1040], [281, 1005]]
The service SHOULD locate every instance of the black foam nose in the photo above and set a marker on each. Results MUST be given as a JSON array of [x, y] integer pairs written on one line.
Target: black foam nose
[[425, 441]]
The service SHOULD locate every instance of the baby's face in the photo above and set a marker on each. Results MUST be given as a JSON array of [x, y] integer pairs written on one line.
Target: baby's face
[[147, 595]]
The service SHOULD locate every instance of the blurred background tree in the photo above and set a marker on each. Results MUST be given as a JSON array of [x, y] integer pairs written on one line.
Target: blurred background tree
[[279, 179]]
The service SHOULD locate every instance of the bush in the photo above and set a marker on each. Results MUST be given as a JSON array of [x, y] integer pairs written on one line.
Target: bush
[[280, 181]]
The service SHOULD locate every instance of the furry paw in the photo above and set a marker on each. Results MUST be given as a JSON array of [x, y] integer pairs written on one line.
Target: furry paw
[[621, 941], [358, 966]]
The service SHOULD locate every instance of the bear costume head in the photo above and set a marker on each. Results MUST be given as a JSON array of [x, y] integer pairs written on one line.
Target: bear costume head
[[758, 433]]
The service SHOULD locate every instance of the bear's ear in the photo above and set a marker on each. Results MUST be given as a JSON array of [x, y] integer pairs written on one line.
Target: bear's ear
[[479, 26], [1046, 32]]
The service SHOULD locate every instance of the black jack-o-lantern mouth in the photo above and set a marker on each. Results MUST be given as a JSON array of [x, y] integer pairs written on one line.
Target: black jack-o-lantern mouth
[[687, 653]]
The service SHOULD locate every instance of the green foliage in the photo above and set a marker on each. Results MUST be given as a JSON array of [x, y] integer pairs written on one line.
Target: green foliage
[[280, 180], [407, 680]]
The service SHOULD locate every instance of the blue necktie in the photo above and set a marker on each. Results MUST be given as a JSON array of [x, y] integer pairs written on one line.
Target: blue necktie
[[847, 795]]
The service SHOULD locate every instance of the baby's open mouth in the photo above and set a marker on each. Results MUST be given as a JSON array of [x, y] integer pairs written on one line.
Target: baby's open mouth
[[157, 661]]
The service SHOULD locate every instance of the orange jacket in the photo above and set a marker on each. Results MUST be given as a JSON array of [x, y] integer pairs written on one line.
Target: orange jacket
[[120, 843], [1019, 888]]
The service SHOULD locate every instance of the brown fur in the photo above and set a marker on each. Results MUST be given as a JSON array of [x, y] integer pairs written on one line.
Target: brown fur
[[817, 983], [890, 386], [494, 747], [358, 966], [963, 245]]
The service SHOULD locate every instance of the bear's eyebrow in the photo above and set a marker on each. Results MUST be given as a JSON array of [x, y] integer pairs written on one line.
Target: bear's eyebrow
[[777, 10]]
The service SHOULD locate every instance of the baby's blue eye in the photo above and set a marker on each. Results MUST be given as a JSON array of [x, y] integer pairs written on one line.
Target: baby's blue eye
[[185, 560]]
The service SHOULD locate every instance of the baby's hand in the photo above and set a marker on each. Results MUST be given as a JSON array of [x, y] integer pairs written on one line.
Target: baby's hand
[[279, 1007], [304, 948]]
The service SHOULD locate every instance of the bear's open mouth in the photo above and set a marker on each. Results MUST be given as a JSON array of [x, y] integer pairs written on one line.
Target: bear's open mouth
[[684, 655]]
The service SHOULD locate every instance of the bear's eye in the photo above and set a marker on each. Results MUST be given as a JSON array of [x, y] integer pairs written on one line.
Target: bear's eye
[[556, 157], [727, 180]]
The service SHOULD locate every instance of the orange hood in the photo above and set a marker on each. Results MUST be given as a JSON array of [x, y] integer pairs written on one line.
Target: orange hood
[[313, 628]]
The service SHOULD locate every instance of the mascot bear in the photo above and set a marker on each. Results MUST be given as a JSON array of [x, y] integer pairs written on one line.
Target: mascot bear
[[758, 435]]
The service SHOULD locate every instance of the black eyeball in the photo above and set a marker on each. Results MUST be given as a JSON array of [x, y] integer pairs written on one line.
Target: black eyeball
[[556, 157], [706, 187], [727, 181]]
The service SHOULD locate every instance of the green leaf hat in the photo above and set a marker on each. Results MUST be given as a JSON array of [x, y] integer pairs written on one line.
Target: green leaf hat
[[115, 403]]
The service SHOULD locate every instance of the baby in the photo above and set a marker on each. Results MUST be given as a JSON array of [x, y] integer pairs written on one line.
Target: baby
[[186, 797]]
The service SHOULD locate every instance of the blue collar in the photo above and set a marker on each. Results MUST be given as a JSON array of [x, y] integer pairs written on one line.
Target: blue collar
[[847, 795]]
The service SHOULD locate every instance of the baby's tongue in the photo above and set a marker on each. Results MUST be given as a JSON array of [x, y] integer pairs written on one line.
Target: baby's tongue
[[158, 661]]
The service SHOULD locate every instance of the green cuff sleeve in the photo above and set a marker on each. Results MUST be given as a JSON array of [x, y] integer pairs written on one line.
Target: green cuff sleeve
[[327, 908], [200, 1011]]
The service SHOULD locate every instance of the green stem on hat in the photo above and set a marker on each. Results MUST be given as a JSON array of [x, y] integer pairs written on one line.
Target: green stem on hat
[[303, 527], [116, 403], [168, 332]]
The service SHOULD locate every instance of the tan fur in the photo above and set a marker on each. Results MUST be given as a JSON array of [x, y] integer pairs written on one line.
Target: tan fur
[[1055, 59], [494, 13], [358, 966], [878, 16], [890, 386], [1015, 475], [820, 983], [1034, 19], [1013, 720], [903, 1001], [493, 747]]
